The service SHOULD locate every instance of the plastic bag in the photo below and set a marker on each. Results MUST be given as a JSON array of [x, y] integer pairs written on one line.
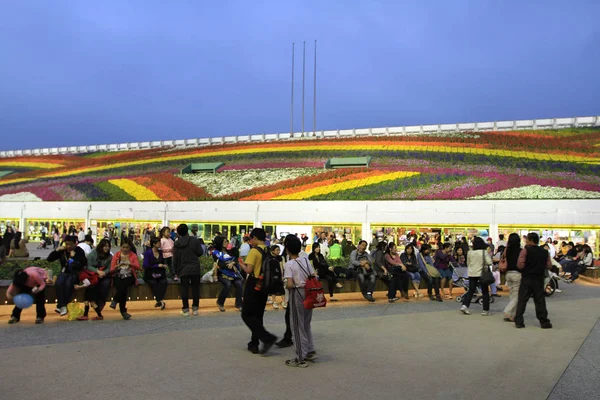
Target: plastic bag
[[74, 311]]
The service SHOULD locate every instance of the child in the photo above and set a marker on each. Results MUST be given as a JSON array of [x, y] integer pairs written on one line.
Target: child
[[296, 272], [30, 280], [276, 252]]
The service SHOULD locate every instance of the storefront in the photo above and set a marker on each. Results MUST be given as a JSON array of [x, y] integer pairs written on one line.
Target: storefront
[[576, 234], [207, 230], [36, 228], [116, 229], [6, 222], [399, 233]]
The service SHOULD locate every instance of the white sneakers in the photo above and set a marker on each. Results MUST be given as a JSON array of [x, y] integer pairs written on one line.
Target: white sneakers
[[465, 310], [63, 311]]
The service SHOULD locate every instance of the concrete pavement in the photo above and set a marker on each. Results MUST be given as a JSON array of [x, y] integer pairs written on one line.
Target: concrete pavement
[[409, 350]]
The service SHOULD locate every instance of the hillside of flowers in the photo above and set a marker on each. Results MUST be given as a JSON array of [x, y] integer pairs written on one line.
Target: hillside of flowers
[[549, 164]]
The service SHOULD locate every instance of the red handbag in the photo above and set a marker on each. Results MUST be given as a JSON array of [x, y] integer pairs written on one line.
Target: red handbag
[[314, 295], [503, 264]]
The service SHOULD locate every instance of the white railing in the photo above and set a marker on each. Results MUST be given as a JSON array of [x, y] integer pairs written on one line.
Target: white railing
[[548, 123]]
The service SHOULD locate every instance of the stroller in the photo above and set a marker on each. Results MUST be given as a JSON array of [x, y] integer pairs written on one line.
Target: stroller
[[44, 244], [460, 278]]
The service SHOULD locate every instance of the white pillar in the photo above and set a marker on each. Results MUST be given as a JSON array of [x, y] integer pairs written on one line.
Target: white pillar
[[257, 219], [22, 228], [366, 232], [494, 232], [88, 223]]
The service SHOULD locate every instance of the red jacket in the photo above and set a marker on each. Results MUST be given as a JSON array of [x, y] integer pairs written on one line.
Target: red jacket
[[134, 262]]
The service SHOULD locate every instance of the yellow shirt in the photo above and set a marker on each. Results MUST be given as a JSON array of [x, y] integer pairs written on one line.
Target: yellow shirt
[[255, 259]]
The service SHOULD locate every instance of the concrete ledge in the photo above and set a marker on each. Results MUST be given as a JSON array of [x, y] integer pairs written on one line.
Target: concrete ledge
[[207, 290], [592, 272]]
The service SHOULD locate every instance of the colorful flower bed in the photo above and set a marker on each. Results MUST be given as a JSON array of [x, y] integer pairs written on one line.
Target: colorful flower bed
[[482, 165]]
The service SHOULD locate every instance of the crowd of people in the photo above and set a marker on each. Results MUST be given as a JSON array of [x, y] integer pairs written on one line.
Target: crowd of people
[[98, 271]]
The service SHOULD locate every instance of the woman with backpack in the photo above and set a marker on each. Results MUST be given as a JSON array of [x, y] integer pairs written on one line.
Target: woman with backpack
[[477, 260]]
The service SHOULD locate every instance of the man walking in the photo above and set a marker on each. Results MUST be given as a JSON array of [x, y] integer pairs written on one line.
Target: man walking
[[255, 301], [533, 261]]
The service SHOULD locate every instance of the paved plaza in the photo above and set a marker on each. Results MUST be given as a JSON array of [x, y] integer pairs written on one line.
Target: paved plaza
[[415, 349]]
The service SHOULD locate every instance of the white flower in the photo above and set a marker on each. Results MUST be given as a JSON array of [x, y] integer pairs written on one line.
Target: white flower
[[228, 182], [21, 196], [539, 192]]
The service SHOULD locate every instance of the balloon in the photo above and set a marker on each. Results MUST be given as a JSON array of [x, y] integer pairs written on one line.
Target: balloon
[[23, 300]]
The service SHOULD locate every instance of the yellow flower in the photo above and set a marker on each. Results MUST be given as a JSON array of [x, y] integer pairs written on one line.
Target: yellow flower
[[134, 189], [336, 187]]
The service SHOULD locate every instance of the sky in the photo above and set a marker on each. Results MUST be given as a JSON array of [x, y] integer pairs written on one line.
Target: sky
[[76, 72]]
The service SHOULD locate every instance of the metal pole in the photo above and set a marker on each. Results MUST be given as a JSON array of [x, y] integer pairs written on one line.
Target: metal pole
[[315, 95], [292, 102], [303, 75]]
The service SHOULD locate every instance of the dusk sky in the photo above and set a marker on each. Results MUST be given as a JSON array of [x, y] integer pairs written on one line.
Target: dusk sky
[[91, 72]]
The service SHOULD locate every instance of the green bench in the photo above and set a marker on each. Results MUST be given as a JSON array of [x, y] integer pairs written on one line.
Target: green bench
[[348, 162], [202, 167]]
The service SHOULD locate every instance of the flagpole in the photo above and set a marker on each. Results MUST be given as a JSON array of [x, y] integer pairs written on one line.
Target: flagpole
[[303, 75], [292, 100], [315, 94]]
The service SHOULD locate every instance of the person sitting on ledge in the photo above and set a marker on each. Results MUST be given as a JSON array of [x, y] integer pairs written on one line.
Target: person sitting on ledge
[[325, 272], [362, 264], [72, 260], [18, 248]]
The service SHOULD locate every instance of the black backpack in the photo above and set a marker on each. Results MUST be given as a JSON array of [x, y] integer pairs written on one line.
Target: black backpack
[[270, 280]]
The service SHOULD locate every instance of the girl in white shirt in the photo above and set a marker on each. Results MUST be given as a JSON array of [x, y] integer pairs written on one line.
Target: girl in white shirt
[[296, 272]]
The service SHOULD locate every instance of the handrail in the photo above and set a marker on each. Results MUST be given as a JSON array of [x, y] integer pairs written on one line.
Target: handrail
[[547, 123]]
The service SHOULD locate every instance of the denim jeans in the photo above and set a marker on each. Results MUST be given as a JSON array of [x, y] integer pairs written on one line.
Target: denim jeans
[[366, 283], [227, 285], [64, 288], [414, 276]]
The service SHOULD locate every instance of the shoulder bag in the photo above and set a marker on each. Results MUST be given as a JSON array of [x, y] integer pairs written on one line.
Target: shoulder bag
[[487, 278], [503, 264]]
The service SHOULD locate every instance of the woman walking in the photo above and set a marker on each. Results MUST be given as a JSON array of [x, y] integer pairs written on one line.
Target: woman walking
[[123, 267], [477, 260], [155, 272], [296, 272], [513, 275]]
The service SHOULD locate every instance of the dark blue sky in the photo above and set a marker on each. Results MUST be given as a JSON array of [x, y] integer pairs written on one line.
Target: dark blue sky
[[81, 72]]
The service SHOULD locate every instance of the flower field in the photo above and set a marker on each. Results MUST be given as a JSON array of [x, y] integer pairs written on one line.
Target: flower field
[[550, 164]]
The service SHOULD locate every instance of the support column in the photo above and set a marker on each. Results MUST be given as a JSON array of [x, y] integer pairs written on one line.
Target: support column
[[494, 232], [165, 221], [257, 219], [366, 225], [88, 223], [22, 226]]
